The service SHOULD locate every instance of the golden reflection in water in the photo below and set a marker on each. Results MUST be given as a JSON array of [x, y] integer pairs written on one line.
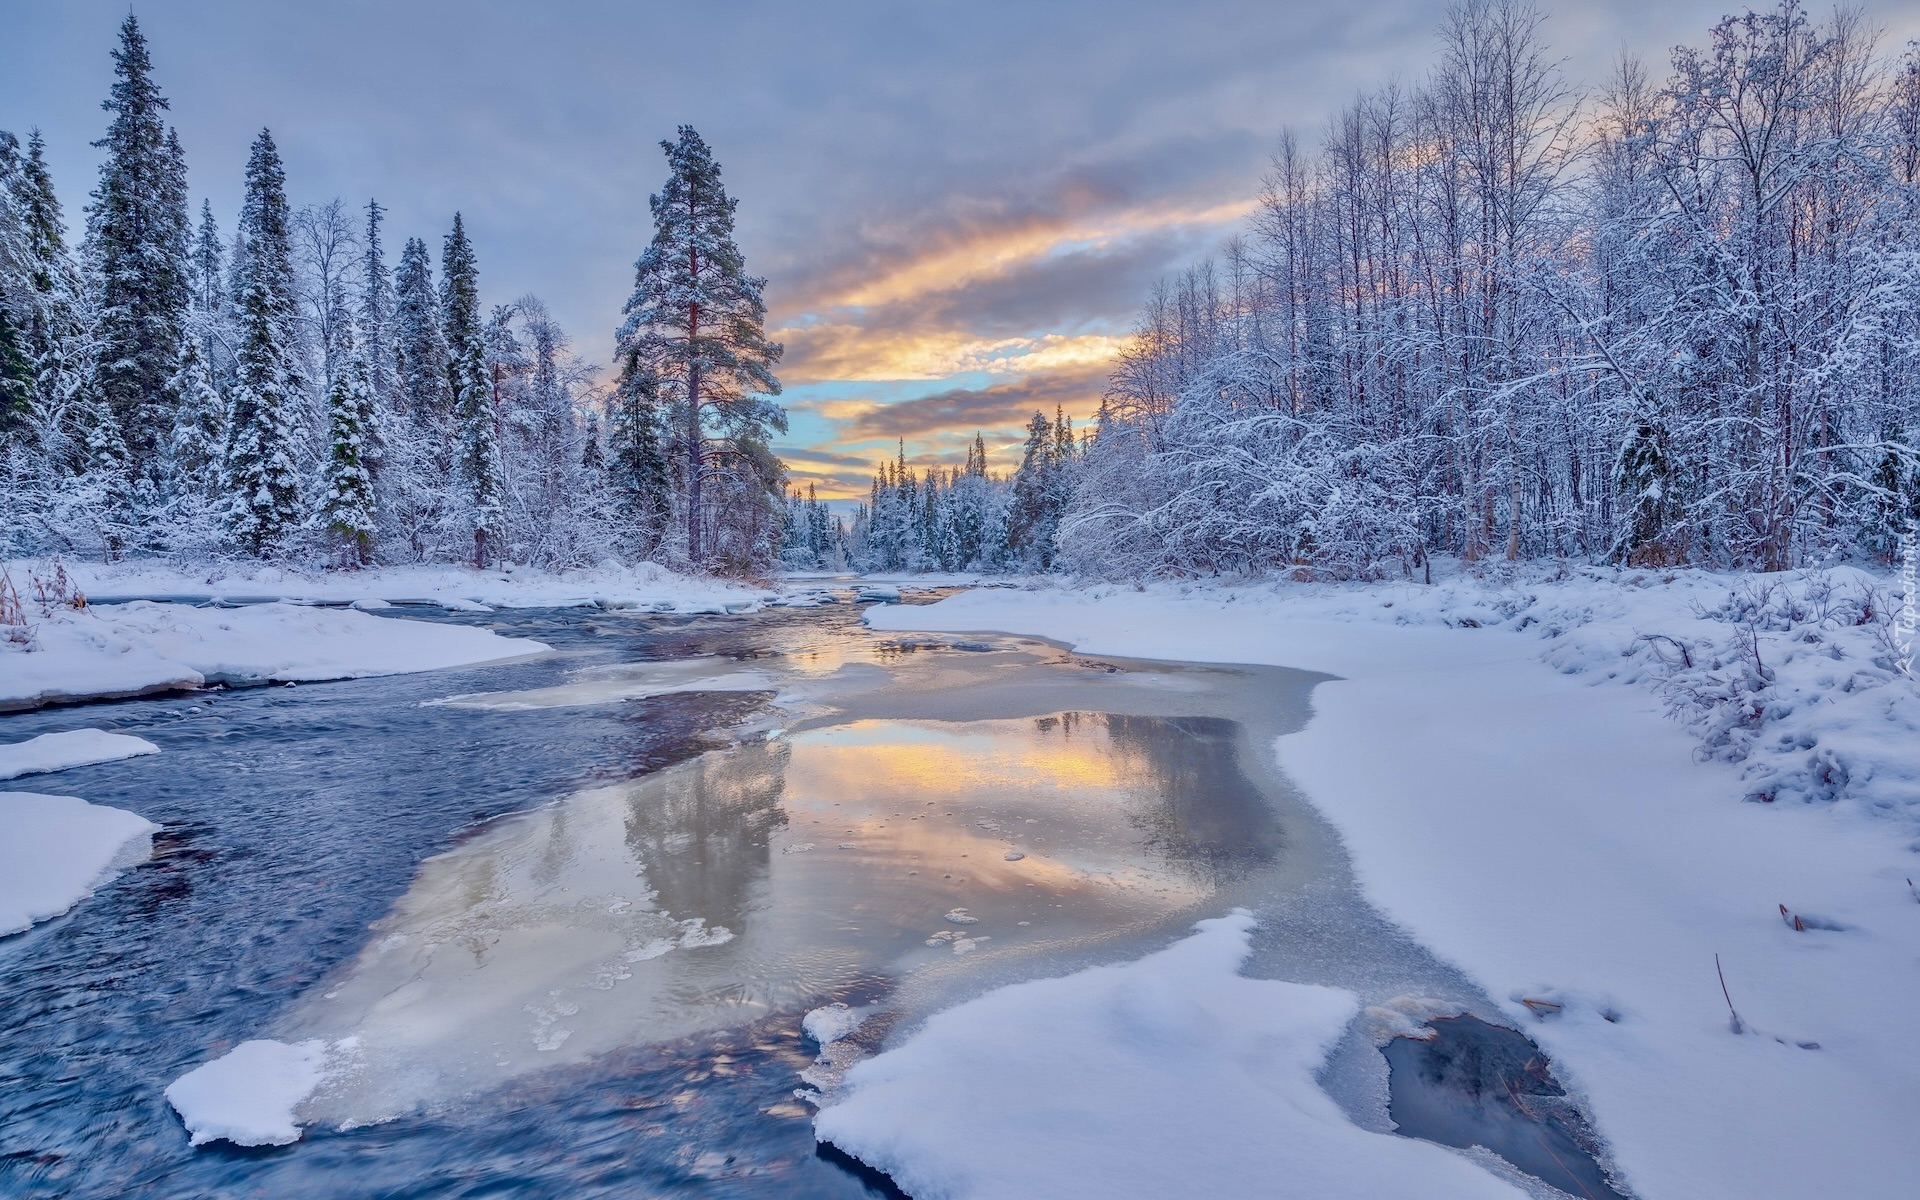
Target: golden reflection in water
[[771, 876]]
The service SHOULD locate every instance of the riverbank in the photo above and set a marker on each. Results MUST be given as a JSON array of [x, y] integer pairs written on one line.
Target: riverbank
[[1542, 780], [646, 586], [65, 653]]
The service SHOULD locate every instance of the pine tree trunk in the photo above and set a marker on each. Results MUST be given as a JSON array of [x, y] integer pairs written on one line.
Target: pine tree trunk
[[693, 439], [693, 465]]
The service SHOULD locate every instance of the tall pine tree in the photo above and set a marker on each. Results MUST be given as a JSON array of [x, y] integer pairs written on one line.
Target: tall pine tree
[[262, 461], [347, 500], [479, 464], [137, 248], [376, 308], [420, 345], [696, 322]]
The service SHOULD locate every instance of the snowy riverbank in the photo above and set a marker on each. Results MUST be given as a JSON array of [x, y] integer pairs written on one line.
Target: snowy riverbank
[[106, 651], [646, 586], [1543, 780]]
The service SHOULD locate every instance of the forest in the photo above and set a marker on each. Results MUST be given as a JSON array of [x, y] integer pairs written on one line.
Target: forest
[[285, 393], [1670, 319]]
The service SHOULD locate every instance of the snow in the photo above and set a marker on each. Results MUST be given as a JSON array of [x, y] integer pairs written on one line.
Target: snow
[[105, 651], [830, 1023], [55, 850], [1169, 1076], [643, 586], [248, 1096], [73, 748], [1527, 788]]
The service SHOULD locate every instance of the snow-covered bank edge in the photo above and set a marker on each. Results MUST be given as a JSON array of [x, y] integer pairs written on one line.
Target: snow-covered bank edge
[[55, 851], [1558, 839], [104, 652], [646, 586]]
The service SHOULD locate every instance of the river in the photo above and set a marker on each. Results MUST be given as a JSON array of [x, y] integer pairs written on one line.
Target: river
[[567, 924]]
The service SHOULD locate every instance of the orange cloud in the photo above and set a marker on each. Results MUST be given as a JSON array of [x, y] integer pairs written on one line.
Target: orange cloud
[[851, 353], [984, 253]]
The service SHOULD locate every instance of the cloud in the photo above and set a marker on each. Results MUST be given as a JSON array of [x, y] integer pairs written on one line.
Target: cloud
[[960, 411], [853, 353]]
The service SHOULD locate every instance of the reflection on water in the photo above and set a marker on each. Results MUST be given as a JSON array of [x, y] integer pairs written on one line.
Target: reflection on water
[[768, 877]]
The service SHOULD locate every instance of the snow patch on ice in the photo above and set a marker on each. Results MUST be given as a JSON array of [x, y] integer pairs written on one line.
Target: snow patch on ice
[[55, 850], [73, 748], [828, 1024], [250, 1095], [1161, 1077]]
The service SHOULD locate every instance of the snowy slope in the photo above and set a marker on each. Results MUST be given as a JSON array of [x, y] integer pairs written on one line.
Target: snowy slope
[[55, 850], [1506, 767]]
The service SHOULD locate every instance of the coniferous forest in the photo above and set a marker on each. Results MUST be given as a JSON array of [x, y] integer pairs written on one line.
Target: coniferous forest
[[280, 389]]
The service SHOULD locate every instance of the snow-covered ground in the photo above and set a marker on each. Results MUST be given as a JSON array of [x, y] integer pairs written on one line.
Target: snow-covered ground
[[109, 650], [73, 748], [55, 850], [1542, 779], [645, 586]]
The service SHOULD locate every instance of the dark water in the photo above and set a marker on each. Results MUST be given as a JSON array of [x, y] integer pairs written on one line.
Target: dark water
[[292, 819], [1478, 1084]]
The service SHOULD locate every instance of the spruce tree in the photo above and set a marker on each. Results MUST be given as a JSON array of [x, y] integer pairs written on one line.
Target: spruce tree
[[376, 309], [136, 246], [16, 373], [1034, 514], [200, 426], [265, 507], [420, 345], [347, 507], [1643, 482], [636, 459], [1894, 513], [469, 381], [43, 224], [696, 321]]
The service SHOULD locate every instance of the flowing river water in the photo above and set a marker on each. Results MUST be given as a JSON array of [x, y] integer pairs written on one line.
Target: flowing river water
[[562, 917]]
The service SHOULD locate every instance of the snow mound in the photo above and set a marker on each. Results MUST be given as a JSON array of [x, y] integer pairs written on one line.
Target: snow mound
[[57, 850], [1148, 1079], [73, 748], [829, 1024], [248, 1095]]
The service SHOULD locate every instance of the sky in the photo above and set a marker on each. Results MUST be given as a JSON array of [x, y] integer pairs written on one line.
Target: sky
[[958, 206]]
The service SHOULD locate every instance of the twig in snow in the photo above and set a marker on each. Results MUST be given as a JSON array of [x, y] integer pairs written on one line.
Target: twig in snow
[[1686, 656], [1736, 1024]]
